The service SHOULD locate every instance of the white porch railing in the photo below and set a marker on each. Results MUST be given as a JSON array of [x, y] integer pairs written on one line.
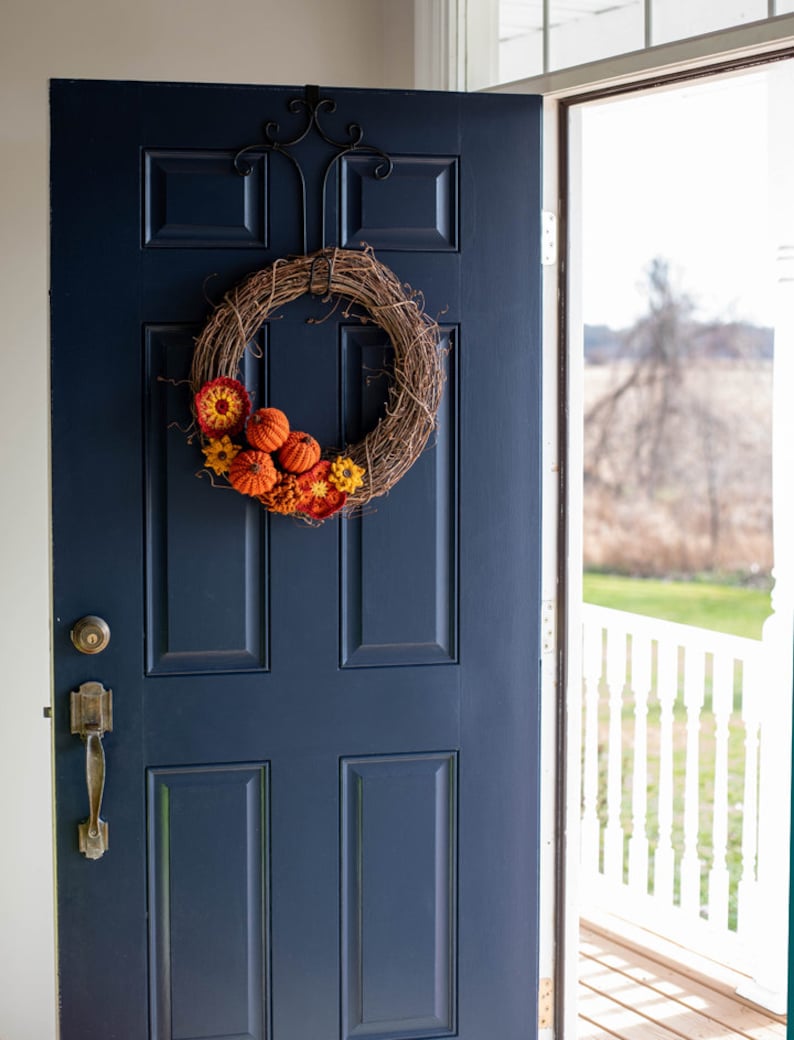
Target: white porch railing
[[681, 734]]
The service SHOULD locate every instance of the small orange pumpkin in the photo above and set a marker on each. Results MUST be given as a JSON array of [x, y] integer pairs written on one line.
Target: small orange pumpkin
[[268, 428], [299, 452], [252, 473]]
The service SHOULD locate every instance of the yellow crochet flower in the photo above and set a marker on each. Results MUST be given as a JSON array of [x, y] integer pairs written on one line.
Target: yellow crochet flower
[[345, 475], [218, 455]]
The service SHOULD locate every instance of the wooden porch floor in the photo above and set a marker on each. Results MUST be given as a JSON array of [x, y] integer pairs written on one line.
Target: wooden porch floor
[[632, 993]]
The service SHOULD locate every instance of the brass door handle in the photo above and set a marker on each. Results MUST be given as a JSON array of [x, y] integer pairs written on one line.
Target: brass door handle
[[91, 718]]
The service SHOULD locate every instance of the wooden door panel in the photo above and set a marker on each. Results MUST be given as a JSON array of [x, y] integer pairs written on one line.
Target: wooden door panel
[[399, 808], [409, 548], [209, 901], [206, 610], [414, 209], [322, 778], [193, 200]]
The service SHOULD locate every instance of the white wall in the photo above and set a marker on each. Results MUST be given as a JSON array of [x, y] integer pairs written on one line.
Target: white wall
[[357, 43]]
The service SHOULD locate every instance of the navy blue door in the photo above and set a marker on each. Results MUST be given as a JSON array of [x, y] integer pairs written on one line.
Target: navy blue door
[[322, 776]]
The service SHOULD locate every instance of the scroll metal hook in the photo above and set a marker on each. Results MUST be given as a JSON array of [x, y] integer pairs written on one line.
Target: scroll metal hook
[[311, 106]]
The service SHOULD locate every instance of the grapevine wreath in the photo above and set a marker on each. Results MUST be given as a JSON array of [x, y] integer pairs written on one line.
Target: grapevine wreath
[[255, 451]]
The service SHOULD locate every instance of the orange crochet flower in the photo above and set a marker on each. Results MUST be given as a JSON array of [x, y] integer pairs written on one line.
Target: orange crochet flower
[[222, 406], [283, 496], [318, 496]]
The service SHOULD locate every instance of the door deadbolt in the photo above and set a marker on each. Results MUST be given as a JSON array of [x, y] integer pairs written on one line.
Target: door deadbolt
[[90, 635]]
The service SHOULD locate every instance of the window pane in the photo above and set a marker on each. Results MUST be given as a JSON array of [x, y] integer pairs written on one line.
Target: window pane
[[586, 30], [520, 39], [784, 6], [679, 19], [677, 306]]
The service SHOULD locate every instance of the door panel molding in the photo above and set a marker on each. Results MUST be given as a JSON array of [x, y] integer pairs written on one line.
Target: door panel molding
[[399, 808], [209, 952], [412, 549], [186, 575], [195, 200]]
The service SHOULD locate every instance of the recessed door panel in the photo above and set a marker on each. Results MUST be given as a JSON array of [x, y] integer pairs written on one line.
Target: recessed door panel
[[398, 927], [414, 208], [408, 543], [208, 902], [206, 551], [196, 199]]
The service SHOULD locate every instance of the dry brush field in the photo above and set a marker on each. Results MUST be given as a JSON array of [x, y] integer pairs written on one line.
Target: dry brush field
[[691, 493]]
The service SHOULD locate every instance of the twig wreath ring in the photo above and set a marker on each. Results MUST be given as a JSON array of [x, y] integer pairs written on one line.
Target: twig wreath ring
[[285, 469]]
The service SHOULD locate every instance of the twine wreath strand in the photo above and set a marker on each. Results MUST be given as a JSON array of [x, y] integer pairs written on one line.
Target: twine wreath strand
[[389, 450]]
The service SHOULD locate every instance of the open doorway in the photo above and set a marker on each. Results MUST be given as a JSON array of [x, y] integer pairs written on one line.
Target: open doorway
[[681, 330]]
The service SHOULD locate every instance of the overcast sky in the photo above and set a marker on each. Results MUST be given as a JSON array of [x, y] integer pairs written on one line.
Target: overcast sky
[[680, 174]]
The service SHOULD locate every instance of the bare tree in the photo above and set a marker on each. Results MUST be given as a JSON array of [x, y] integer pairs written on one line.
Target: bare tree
[[661, 442]]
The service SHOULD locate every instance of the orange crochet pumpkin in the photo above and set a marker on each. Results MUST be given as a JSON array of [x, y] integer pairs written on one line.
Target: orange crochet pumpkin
[[252, 473], [299, 452], [268, 428]]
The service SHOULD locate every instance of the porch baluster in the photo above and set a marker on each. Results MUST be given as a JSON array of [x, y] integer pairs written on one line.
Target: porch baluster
[[640, 683], [694, 695], [722, 704], [591, 668], [664, 861], [751, 716], [616, 680]]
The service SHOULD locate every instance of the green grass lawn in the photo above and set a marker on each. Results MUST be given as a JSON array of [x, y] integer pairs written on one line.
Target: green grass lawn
[[724, 608]]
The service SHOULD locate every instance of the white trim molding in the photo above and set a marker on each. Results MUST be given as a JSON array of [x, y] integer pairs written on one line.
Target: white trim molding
[[696, 55], [438, 51]]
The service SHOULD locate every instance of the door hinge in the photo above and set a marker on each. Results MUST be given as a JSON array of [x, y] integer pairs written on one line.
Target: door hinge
[[545, 1004], [548, 238], [548, 626]]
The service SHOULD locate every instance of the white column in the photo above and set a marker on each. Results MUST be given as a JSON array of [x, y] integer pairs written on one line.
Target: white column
[[770, 949]]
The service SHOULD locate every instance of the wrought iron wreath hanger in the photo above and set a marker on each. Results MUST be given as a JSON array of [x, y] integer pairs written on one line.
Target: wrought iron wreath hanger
[[313, 106]]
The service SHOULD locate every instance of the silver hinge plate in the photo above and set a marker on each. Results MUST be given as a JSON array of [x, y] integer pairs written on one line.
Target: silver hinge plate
[[548, 238], [548, 626]]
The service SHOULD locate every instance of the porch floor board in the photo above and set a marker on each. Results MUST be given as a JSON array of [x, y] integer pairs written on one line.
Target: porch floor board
[[629, 992]]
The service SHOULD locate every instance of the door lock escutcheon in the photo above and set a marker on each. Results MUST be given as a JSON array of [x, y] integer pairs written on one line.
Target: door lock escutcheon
[[90, 635], [92, 717]]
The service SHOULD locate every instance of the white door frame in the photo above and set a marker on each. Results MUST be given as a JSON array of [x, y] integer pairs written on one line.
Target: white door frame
[[447, 56]]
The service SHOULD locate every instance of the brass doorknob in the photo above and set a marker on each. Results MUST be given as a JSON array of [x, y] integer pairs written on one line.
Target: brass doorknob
[[90, 635]]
